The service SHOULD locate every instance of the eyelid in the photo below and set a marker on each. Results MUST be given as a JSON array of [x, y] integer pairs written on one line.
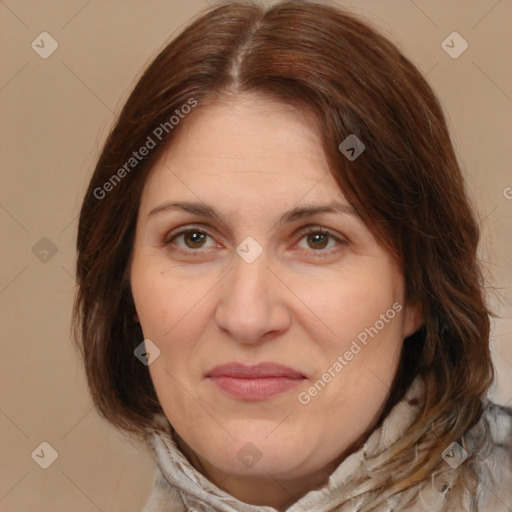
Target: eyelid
[[182, 230], [340, 239], [314, 228], [185, 229]]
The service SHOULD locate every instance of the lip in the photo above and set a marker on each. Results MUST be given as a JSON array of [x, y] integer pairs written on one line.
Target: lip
[[254, 382]]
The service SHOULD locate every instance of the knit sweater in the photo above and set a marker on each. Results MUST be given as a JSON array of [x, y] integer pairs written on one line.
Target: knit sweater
[[452, 486]]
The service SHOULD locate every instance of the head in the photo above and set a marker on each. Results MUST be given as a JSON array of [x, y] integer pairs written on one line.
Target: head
[[250, 133]]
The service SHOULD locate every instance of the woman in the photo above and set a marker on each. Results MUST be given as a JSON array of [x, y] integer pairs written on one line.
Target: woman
[[278, 282]]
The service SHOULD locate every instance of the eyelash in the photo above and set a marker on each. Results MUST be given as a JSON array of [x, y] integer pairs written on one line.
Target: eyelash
[[307, 231]]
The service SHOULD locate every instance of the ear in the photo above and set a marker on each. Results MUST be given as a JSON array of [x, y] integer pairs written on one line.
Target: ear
[[413, 318]]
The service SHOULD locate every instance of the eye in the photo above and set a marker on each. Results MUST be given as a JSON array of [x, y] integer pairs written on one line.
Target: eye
[[192, 238], [192, 241], [317, 239]]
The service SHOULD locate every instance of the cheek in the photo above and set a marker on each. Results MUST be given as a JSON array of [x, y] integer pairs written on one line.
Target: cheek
[[350, 300], [362, 339], [171, 315], [173, 312], [162, 301]]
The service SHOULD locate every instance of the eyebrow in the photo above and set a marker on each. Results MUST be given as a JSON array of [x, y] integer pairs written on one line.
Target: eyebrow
[[300, 212]]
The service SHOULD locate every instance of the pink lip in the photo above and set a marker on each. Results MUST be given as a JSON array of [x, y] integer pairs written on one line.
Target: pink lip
[[254, 382]]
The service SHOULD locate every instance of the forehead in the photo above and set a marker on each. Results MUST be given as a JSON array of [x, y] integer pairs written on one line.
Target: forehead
[[248, 145]]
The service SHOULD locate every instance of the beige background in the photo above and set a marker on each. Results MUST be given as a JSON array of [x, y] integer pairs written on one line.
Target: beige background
[[55, 114]]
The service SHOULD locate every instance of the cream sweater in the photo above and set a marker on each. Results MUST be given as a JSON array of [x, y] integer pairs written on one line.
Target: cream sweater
[[179, 487]]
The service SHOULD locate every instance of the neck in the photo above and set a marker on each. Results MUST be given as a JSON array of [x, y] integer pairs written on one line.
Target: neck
[[260, 490]]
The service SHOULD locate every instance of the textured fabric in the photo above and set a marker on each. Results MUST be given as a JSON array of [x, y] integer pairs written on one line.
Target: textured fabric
[[483, 483]]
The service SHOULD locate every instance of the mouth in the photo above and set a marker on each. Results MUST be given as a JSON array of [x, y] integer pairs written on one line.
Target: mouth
[[254, 382]]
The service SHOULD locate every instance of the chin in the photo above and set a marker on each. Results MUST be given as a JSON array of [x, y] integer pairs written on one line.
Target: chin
[[256, 453], [278, 463]]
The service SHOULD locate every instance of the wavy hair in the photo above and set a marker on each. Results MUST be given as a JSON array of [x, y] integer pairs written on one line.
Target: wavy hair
[[407, 187]]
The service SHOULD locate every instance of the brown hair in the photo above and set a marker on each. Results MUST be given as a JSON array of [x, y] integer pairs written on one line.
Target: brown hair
[[407, 186]]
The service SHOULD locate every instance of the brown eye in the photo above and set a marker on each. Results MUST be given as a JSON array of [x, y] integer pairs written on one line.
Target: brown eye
[[189, 240], [194, 239], [318, 240]]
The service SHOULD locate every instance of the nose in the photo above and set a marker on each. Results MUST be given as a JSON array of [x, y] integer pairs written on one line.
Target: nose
[[252, 305]]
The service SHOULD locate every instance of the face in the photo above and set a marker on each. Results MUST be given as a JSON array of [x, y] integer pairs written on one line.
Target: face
[[256, 275]]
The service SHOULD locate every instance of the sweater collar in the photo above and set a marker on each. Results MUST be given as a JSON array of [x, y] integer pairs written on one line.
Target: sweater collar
[[196, 491]]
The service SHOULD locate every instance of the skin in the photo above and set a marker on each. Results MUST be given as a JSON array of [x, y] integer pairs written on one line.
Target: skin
[[301, 303]]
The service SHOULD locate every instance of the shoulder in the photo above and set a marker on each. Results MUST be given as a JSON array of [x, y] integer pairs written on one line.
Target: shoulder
[[492, 435], [490, 446], [499, 419], [475, 473]]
